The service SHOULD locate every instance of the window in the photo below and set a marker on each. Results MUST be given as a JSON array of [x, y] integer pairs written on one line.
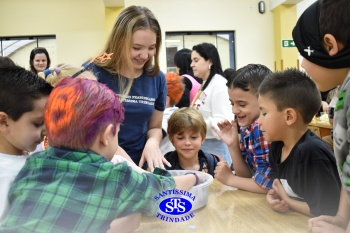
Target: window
[[19, 48], [224, 42]]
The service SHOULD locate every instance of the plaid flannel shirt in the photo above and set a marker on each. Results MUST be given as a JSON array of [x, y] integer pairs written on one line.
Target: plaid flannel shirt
[[255, 151], [59, 190]]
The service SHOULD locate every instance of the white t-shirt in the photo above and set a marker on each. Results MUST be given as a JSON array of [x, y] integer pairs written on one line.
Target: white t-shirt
[[10, 165], [165, 144], [214, 104]]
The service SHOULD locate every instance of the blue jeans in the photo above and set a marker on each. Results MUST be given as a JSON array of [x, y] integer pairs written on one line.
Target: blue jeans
[[217, 147]]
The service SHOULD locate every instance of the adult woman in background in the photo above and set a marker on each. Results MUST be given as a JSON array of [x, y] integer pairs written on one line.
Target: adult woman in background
[[212, 101], [135, 41], [39, 60], [183, 61]]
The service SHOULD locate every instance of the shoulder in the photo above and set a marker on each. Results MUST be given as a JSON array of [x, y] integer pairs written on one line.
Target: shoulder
[[310, 146]]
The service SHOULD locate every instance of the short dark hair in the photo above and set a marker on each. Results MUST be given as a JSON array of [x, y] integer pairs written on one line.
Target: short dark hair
[[19, 88], [292, 88], [6, 61], [182, 60], [209, 52], [335, 20], [248, 78], [229, 72], [35, 52]]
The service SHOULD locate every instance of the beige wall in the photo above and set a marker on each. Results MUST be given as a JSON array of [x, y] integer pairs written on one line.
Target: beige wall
[[254, 31], [79, 25]]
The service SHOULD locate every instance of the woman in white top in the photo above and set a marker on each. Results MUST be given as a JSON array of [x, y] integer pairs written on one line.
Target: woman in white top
[[212, 101]]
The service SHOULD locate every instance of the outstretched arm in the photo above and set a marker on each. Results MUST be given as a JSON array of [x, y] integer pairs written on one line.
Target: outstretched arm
[[224, 174], [151, 153]]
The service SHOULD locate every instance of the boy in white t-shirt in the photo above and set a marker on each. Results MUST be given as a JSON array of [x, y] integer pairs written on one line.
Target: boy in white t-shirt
[[22, 100]]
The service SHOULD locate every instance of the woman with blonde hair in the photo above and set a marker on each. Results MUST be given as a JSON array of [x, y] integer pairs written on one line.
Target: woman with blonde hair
[[132, 71]]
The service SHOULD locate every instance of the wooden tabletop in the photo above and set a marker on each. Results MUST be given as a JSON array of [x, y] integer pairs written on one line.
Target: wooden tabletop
[[231, 210], [321, 124]]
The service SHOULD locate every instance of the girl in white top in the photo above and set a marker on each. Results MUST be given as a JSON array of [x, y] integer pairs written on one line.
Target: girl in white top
[[212, 101]]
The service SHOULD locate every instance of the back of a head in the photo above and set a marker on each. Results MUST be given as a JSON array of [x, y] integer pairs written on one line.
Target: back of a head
[[19, 88], [321, 18], [229, 72], [175, 87], [248, 78], [182, 60], [335, 20], [6, 61], [36, 51], [131, 19], [78, 110], [61, 71], [184, 119], [292, 88]]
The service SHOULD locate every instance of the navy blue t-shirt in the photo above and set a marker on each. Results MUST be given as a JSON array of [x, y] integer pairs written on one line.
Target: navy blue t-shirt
[[146, 94]]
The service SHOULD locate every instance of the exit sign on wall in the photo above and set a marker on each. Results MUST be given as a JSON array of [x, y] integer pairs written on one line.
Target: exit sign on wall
[[288, 44]]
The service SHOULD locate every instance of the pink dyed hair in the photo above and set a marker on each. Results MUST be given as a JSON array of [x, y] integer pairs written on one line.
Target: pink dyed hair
[[78, 110]]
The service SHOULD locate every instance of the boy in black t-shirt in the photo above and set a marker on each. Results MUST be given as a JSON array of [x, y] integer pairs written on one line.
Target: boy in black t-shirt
[[307, 179]]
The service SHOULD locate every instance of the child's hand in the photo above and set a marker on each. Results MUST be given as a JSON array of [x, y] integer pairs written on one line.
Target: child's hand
[[326, 223], [223, 173], [278, 188], [228, 132], [325, 227], [275, 202]]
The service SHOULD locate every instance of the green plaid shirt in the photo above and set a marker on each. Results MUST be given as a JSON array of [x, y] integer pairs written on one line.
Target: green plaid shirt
[[59, 190]]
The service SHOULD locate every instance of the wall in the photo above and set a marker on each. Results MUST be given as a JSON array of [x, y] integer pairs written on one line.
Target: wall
[[284, 22], [254, 31], [79, 25]]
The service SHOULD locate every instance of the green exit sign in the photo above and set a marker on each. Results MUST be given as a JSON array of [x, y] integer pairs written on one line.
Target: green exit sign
[[288, 44]]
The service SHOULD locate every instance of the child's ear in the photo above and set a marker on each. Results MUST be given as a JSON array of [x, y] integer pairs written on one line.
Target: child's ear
[[106, 134], [290, 116], [4, 127], [331, 45]]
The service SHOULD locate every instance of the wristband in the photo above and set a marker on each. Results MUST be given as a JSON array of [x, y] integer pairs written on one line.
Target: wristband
[[197, 178]]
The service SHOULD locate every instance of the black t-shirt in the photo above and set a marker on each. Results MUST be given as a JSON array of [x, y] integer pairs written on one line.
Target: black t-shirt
[[310, 171]]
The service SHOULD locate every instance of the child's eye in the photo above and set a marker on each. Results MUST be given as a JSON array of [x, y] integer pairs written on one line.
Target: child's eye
[[38, 124], [263, 114], [136, 48]]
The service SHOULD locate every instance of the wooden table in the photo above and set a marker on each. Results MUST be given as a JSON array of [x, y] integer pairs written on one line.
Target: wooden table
[[321, 129], [231, 210]]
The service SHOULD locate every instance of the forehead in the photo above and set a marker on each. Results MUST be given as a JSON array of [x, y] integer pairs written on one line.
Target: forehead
[[194, 54], [145, 37], [187, 131], [38, 110], [238, 95], [40, 56], [265, 101]]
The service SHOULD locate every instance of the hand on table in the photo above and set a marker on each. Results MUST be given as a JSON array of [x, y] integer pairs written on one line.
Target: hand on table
[[223, 173], [153, 156], [327, 224], [276, 197]]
